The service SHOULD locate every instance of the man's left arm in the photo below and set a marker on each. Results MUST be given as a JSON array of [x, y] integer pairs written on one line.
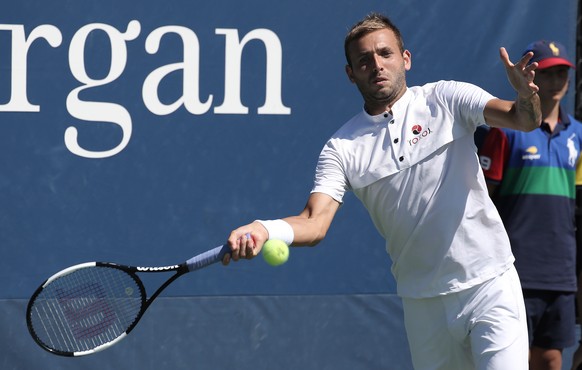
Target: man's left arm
[[524, 113]]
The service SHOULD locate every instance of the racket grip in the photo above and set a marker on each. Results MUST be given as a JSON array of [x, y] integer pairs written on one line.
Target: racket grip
[[207, 258]]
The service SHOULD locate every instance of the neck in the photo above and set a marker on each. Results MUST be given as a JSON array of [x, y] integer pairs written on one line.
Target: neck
[[377, 106], [550, 112]]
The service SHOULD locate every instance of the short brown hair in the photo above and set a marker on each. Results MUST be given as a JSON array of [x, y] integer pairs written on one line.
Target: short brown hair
[[372, 22]]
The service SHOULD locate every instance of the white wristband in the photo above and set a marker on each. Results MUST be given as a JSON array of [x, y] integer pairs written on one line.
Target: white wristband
[[278, 229]]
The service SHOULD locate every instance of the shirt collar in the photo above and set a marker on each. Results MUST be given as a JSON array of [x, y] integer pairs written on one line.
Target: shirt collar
[[397, 107], [563, 122]]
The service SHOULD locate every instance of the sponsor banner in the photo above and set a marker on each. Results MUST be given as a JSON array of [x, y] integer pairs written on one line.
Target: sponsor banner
[[144, 132]]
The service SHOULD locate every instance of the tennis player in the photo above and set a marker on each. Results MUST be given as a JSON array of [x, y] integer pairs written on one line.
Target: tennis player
[[409, 156]]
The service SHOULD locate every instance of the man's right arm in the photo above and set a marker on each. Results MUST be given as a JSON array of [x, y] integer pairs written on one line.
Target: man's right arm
[[309, 228], [311, 225]]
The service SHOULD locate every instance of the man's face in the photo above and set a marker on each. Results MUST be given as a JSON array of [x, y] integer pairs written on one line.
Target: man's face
[[553, 83], [378, 68]]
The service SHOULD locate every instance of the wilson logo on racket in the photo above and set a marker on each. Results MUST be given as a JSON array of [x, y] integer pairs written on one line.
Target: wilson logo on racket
[[162, 268], [86, 309]]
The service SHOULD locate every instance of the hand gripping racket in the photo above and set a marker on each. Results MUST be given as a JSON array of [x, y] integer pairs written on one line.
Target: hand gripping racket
[[89, 307]]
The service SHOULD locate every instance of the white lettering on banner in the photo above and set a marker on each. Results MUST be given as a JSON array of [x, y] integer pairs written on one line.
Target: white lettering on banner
[[191, 65], [20, 45], [232, 71], [98, 111], [93, 111]]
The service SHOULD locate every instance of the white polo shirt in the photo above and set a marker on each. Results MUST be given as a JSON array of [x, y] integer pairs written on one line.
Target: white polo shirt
[[416, 171]]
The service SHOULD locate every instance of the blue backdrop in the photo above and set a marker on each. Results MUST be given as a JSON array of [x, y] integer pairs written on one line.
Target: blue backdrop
[[193, 118]]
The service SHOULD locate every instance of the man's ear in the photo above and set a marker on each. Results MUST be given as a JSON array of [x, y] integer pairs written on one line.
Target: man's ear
[[407, 56], [350, 73]]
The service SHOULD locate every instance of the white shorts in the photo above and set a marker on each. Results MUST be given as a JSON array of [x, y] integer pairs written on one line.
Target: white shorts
[[481, 328]]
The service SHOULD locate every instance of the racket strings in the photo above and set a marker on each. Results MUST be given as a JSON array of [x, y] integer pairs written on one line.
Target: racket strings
[[86, 308]]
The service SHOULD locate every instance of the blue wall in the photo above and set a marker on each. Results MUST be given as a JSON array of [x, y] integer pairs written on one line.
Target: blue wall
[[187, 175]]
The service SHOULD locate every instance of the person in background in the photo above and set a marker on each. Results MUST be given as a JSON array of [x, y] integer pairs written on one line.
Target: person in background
[[577, 358], [531, 178]]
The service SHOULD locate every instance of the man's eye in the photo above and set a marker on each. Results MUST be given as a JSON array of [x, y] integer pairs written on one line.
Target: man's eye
[[363, 61]]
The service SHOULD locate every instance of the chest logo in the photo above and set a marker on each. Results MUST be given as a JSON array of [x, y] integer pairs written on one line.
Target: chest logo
[[531, 153], [572, 151], [420, 133]]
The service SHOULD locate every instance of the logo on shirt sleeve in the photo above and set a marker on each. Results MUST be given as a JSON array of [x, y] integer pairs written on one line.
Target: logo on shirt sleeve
[[485, 162]]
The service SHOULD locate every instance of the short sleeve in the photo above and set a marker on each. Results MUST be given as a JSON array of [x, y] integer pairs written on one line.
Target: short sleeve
[[330, 177], [492, 154]]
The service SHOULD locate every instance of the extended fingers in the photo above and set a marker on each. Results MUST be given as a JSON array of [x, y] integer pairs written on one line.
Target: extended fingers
[[505, 57], [528, 71], [521, 75], [522, 64]]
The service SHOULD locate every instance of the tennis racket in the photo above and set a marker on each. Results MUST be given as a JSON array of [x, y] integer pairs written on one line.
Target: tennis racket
[[89, 307]]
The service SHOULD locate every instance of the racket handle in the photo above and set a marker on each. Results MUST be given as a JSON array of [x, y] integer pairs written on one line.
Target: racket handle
[[207, 258]]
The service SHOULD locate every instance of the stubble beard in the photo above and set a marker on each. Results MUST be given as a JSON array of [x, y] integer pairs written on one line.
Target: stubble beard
[[387, 96]]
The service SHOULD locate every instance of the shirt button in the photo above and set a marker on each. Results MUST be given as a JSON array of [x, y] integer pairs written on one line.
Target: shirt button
[[385, 115], [392, 121], [401, 159], [396, 141]]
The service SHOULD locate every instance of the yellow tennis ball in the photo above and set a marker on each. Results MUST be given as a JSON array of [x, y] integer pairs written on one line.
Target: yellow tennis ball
[[275, 252]]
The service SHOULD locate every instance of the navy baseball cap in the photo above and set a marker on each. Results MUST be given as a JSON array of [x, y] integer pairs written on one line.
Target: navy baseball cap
[[548, 54]]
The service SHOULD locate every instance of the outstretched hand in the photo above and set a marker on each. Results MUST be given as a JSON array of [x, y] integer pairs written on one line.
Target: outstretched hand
[[520, 75]]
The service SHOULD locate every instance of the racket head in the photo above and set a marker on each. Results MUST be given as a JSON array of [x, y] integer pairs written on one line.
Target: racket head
[[85, 308]]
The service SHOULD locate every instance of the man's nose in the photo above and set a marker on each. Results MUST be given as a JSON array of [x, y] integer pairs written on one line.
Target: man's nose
[[377, 63]]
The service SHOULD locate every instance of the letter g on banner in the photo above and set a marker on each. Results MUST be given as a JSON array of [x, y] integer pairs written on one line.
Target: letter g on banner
[[98, 111]]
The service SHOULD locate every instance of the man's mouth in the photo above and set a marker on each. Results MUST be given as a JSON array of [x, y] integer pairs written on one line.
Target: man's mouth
[[379, 80]]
